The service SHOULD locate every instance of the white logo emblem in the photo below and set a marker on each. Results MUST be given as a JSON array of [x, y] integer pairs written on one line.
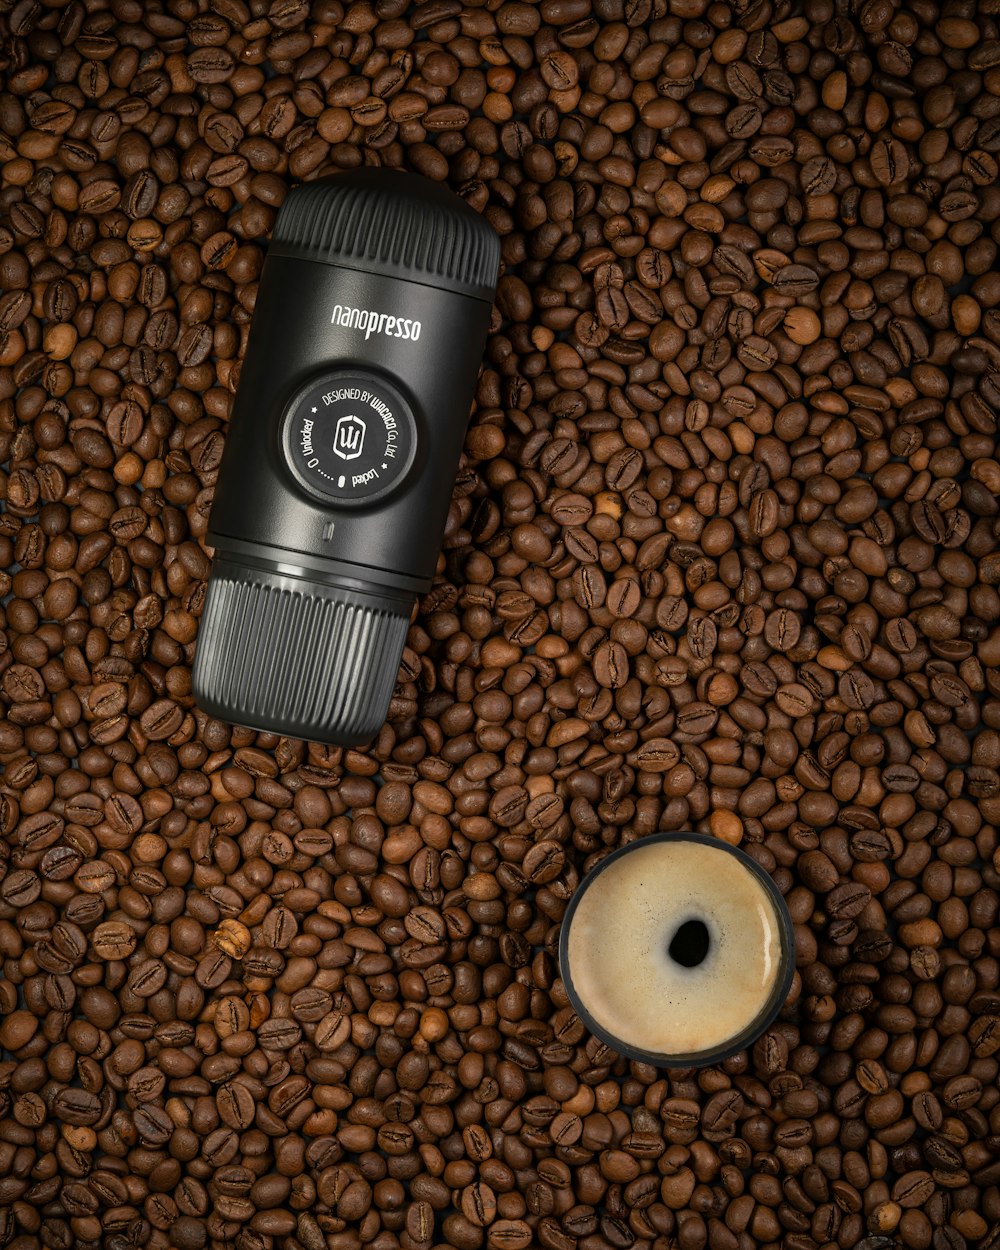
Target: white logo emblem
[[349, 438]]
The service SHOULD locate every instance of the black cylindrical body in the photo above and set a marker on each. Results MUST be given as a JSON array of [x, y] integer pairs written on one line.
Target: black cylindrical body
[[346, 430]]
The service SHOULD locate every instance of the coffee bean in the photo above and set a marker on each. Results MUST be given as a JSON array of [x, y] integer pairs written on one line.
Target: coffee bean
[[77, 1107], [723, 556], [235, 1103], [113, 940]]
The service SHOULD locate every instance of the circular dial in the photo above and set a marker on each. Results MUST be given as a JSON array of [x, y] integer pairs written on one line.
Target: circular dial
[[349, 438]]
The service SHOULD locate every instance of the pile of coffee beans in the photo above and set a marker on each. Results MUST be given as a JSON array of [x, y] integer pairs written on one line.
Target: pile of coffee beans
[[724, 554]]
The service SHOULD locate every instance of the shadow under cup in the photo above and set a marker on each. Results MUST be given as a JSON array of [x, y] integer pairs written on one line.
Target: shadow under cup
[[677, 950]]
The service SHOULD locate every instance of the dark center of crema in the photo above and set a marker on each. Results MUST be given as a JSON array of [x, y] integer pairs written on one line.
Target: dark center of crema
[[689, 945]]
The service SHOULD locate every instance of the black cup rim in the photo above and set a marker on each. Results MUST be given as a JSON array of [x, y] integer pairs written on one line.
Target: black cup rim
[[767, 1014]]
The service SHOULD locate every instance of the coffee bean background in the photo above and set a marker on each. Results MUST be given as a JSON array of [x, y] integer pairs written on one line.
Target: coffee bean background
[[724, 554]]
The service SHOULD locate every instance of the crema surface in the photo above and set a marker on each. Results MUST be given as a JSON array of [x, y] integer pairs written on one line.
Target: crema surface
[[620, 937]]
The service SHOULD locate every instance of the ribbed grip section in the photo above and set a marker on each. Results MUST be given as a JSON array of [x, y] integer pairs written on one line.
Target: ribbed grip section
[[298, 657], [384, 221]]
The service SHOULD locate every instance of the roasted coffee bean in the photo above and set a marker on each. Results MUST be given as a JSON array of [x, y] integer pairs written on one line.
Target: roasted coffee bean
[[723, 556]]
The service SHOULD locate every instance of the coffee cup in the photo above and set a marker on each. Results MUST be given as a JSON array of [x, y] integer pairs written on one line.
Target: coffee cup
[[677, 950]]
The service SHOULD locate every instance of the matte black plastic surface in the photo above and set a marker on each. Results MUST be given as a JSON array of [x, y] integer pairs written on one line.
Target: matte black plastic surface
[[350, 441], [295, 656], [391, 223], [292, 340], [373, 307]]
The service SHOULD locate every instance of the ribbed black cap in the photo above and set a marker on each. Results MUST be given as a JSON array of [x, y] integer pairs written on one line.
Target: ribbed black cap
[[393, 223], [299, 657]]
